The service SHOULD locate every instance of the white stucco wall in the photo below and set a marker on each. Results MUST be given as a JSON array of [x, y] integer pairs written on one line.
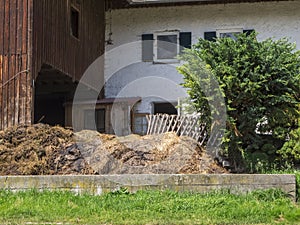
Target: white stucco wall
[[123, 59]]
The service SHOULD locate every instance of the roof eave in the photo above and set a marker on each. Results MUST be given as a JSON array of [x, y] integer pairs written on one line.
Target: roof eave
[[123, 4], [134, 2]]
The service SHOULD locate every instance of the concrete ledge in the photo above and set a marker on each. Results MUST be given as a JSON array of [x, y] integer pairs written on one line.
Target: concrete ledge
[[98, 184]]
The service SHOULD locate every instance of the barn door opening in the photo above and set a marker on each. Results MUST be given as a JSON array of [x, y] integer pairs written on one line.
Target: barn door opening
[[52, 90], [165, 108]]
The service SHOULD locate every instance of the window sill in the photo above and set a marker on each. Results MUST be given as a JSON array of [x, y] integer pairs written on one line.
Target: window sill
[[166, 61]]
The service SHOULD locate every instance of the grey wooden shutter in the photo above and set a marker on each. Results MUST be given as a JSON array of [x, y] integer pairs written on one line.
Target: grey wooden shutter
[[210, 36], [247, 32], [147, 47], [185, 40]]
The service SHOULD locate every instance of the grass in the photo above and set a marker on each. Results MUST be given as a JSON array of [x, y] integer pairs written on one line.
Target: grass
[[147, 207], [288, 171]]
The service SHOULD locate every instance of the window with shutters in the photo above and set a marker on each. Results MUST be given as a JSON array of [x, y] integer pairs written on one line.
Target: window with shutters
[[221, 33], [164, 47], [231, 33]]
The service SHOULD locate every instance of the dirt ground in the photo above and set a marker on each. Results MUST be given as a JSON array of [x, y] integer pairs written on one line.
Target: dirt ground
[[45, 150]]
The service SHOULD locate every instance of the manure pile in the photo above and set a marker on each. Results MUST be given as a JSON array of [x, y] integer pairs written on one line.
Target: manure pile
[[48, 150]]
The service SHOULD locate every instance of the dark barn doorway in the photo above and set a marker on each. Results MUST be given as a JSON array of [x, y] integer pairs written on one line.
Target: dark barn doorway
[[165, 107], [52, 90]]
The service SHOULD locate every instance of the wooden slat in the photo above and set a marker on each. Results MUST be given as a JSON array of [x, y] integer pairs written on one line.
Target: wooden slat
[[10, 87], [17, 91], [2, 14], [1, 89], [6, 27], [18, 19], [24, 26], [12, 61], [170, 123], [5, 90], [5, 60], [13, 26], [149, 120], [22, 88], [23, 59], [29, 105], [19, 26], [2, 19]]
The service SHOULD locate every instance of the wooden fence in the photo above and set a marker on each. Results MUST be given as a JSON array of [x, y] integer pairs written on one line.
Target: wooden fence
[[185, 125]]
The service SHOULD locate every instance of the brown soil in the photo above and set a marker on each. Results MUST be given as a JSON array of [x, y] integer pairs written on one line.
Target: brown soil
[[44, 150]]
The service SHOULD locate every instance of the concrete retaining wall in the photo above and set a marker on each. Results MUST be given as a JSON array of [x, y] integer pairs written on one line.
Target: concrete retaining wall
[[98, 184]]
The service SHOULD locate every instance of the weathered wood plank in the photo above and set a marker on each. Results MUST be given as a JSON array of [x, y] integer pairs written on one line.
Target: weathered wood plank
[[1, 90], [29, 97], [5, 90], [6, 27]]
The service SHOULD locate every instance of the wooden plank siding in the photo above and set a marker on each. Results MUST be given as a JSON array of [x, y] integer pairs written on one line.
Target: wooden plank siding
[[53, 43], [15, 66], [37, 32]]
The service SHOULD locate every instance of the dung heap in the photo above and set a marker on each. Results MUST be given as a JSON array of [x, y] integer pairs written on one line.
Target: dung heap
[[45, 150], [40, 149]]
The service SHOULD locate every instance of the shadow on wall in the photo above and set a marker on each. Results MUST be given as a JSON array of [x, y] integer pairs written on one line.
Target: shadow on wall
[[52, 90]]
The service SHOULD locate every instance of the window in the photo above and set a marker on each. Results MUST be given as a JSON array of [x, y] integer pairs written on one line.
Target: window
[[164, 46], [97, 122], [212, 35], [231, 33], [74, 20]]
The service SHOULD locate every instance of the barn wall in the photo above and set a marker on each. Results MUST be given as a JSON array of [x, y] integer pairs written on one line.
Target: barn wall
[[53, 43], [37, 32], [15, 62]]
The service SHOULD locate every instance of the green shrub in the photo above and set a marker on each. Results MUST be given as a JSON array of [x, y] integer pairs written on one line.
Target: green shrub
[[290, 151], [259, 81], [297, 174]]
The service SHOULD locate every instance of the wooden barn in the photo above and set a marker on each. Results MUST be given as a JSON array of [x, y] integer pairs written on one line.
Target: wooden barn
[[45, 47]]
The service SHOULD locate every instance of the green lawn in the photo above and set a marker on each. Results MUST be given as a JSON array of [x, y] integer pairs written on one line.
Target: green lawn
[[147, 207]]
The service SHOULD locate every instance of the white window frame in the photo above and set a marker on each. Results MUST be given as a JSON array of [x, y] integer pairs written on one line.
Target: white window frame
[[155, 47], [228, 30]]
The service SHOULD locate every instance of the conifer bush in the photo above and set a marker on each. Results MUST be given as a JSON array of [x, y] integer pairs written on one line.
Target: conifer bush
[[260, 84]]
